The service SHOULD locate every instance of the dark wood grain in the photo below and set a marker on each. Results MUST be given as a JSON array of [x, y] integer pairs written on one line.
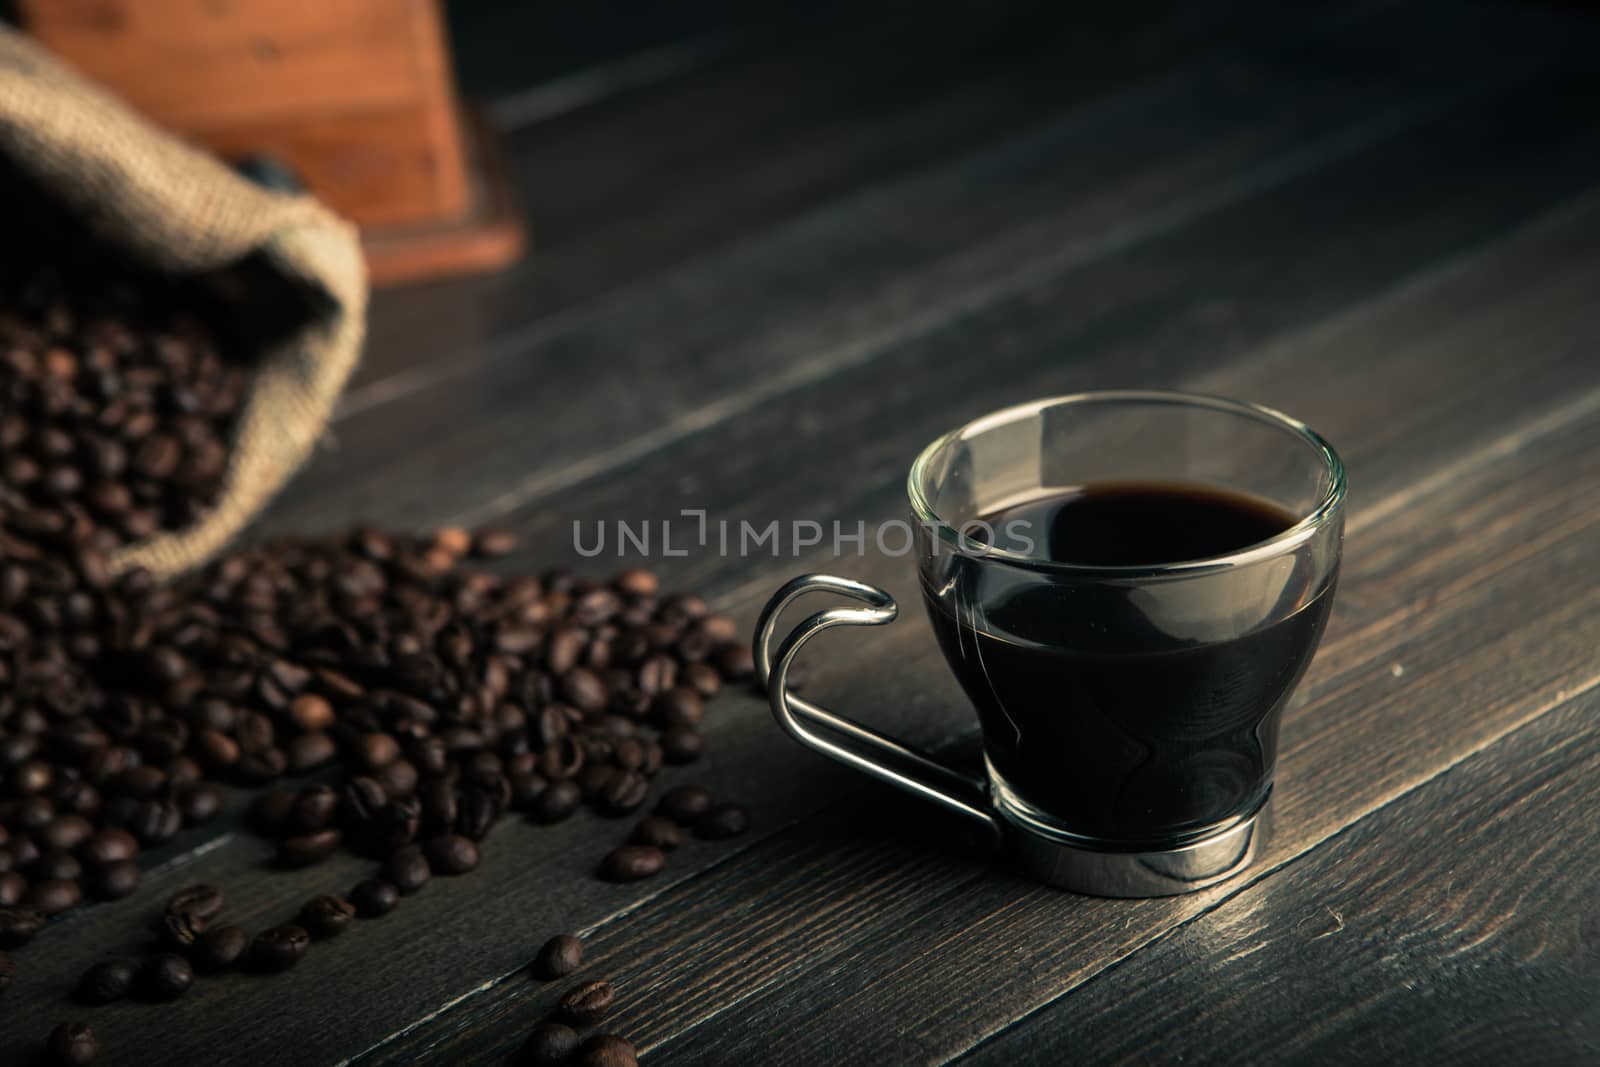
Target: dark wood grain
[[1212, 295], [1367, 271], [805, 113], [529, 885], [1454, 926], [860, 936], [777, 314]]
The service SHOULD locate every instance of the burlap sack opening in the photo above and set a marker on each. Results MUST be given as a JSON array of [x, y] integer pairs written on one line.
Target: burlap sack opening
[[179, 210]]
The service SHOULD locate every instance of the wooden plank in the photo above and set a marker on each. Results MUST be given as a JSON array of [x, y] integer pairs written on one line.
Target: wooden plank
[[805, 114], [706, 346], [1454, 926], [1174, 311], [1540, 262], [526, 899], [533, 885], [864, 936]]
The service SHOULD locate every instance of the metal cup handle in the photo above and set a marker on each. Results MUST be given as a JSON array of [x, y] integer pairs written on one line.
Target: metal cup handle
[[855, 745]]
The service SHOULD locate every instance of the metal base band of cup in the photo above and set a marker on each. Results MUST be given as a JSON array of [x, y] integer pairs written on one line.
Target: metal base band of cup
[[1081, 868]]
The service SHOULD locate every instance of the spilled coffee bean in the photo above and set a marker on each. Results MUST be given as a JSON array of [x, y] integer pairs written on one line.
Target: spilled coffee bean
[[202, 901], [558, 957], [587, 1002], [374, 898], [279, 948], [608, 1050], [723, 821], [164, 976], [72, 1045], [550, 1044], [106, 981], [630, 863], [221, 947], [657, 831], [327, 916]]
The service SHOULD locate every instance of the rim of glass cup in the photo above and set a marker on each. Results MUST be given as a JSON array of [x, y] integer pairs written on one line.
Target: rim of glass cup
[[1291, 538]]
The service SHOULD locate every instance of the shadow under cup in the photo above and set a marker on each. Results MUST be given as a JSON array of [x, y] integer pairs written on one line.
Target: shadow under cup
[[1127, 708]]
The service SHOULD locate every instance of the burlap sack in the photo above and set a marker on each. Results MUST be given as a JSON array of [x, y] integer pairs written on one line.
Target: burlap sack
[[183, 211]]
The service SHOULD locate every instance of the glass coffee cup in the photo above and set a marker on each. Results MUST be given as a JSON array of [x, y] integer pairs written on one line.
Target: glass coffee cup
[[1128, 585]]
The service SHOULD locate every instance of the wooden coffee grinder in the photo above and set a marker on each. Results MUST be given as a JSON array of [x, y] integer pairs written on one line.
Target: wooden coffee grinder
[[352, 98]]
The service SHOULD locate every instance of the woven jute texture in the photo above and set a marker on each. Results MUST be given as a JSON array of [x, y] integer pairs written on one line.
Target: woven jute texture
[[180, 210]]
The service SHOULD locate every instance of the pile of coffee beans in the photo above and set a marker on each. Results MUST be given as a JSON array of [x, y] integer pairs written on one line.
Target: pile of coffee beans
[[115, 409], [556, 1041], [430, 696]]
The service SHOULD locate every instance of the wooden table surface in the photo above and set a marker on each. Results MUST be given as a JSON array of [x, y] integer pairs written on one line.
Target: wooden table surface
[[760, 283]]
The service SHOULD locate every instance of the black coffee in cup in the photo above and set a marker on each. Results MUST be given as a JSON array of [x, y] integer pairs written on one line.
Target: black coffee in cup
[[1123, 730]]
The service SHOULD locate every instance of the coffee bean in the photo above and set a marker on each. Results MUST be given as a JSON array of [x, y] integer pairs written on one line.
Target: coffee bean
[[13, 889], [624, 792], [587, 1002], [723, 821], [684, 804], [451, 854], [593, 780], [407, 869], [53, 896], [680, 745], [550, 1045], [156, 821], [311, 713], [113, 881], [309, 751], [108, 846], [182, 929], [398, 777], [221, 947], [558, 957], [476, 812], [491, 543], [562, 651], [562, 760], [17, 926], [279, 948], [67, 832], [270, 811], [679, 708], [630, 863], [583, 689], [360, 801], [375, 750], [200, 899], [165, 976], [106, 981], [314, 809], [636, 582], [657, 832], [198, 803], [327, 916], [736, 663], [306, 849], [557, 802], [72, 1044], [609, 1050], [55, 866], [374, 898], [452, 540]]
